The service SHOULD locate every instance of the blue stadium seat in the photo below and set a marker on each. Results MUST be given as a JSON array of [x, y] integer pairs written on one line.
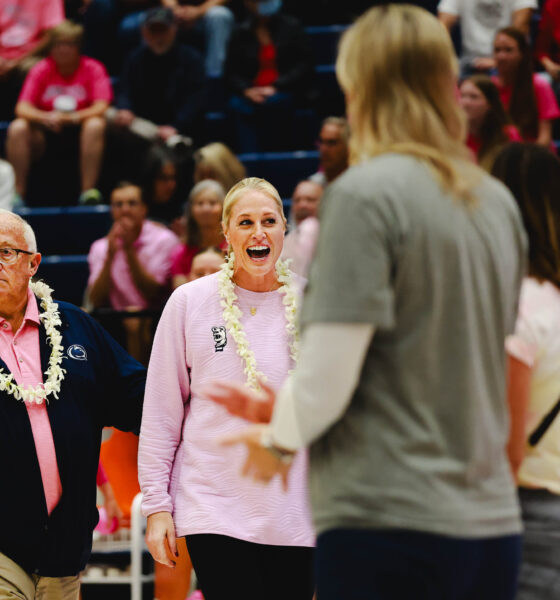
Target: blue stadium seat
[[67, 230], [324, 42], [67, 275], [283, 169]]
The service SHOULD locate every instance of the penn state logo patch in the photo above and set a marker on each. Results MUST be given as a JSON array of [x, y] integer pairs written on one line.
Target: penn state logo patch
[[77, 352], [220, 338]]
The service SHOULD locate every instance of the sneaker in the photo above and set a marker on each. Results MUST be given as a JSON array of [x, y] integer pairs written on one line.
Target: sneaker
[[90, 197]]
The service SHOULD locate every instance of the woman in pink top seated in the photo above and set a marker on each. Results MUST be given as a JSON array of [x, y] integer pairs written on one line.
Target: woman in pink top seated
[[526, 96], [64, 94], [533, 176], [489, 129], [203, 213], [245, 540]]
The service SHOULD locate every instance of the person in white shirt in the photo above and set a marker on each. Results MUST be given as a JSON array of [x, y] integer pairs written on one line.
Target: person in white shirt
[[480, 20]]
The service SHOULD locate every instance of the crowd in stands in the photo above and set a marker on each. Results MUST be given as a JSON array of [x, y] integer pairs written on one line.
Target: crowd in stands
[[113, 94]]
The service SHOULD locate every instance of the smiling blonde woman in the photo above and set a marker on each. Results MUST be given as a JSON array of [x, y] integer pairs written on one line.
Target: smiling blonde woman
[[245, 539]]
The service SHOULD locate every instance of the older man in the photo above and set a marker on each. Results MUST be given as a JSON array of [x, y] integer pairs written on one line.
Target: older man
[[299, 244], [130, 268], [62, 379], [333, 150]]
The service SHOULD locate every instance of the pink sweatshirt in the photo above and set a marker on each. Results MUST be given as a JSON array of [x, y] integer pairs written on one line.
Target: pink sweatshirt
[[182, 469]]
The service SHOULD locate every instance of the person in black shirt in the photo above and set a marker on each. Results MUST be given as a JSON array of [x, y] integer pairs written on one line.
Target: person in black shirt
[[162, 81]]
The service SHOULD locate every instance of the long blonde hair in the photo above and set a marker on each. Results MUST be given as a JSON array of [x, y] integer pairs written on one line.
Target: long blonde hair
[[398, 69]]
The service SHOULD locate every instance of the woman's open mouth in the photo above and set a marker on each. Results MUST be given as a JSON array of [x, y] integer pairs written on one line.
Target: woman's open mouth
[[258, 252]]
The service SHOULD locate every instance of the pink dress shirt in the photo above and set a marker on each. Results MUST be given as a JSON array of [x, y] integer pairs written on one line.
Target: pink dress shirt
[[182, 467], [154, 248], [22, 355]]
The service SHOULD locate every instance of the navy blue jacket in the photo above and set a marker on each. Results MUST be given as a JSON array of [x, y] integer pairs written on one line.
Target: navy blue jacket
[[103, 386]]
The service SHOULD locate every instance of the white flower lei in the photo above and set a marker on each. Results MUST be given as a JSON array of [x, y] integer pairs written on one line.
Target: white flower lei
[[55, 373], [232, 314]]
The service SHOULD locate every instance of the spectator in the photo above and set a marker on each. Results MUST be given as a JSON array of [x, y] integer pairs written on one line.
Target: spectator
[[533, 176], [203, 214], [216, 161], [206, 262], [299, 244], [489, 129], [526, 96], [162, 81], [214, 21], [129, 269], [333, 150], [269, 66], [480, 20], [66, 95], [547, 44], [24, 36], [159, 187]]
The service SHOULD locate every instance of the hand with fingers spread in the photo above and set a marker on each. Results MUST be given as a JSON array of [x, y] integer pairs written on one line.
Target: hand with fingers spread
[[160, 538], [241, 401], [263, 463]]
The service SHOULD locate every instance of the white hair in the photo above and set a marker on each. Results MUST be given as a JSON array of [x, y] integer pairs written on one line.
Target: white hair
[[26, 229], [208, 185]]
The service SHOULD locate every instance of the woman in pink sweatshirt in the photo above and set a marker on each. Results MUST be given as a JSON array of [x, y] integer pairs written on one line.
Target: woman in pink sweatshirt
[[239, 325]]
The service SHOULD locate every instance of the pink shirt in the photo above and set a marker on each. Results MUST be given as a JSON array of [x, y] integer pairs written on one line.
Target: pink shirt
[[299, 245], [154, 247], [182, 468], [44, 84], [536, 343], [547, 106], [22, 355], [22, 23]]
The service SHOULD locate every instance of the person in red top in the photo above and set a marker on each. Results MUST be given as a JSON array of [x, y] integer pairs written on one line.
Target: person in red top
[[268, 68], [62, 92], [547, 44], [203, 213], [24, 36], [526, 96], [489, 128]]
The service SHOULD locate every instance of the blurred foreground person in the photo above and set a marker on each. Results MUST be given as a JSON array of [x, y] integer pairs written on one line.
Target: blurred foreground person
[[400, 386], [533, 175]]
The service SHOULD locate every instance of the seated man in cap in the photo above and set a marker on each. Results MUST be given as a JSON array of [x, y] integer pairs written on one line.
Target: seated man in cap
[[162, 82]]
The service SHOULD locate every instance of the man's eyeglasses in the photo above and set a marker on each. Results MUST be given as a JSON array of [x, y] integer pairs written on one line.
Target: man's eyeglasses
[[326, 142], [8, 256]]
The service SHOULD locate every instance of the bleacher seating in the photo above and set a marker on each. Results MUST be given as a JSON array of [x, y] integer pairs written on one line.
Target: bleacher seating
[[283, 169], [64, 236], [67, 275], [67, 230]]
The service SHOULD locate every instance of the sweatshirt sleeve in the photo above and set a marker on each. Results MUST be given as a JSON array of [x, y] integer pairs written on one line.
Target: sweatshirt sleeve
[[165, 406]]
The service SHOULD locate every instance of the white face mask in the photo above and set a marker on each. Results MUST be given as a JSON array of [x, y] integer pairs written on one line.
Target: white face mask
[[267, 8]]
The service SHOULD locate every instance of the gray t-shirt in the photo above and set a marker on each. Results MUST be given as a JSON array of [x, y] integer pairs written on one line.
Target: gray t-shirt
[[422, 444]]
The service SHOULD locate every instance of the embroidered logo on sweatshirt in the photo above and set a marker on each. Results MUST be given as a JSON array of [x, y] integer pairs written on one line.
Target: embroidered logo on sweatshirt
[[77, 352], [220, 338]]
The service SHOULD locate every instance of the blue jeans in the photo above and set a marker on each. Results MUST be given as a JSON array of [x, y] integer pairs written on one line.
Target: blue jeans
[[407, 565]]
